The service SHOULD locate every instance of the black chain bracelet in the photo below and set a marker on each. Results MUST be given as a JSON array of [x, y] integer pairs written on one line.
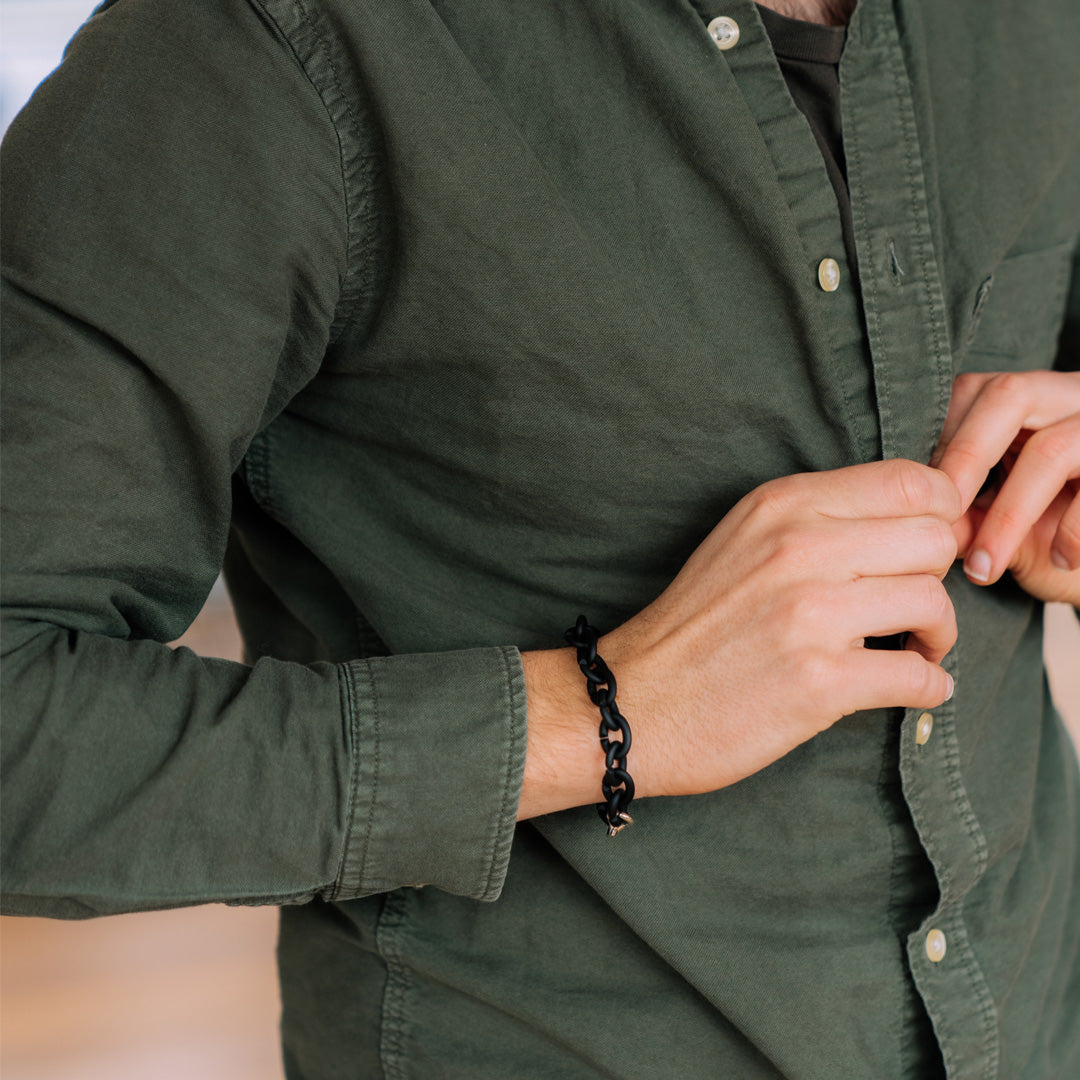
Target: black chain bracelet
[[618, 786]]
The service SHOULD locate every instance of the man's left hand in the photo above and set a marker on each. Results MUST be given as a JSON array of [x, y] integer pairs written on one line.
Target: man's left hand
[[1011, 444]]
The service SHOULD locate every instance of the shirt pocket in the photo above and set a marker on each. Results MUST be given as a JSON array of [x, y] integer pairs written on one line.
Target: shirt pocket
[[1018, 312]]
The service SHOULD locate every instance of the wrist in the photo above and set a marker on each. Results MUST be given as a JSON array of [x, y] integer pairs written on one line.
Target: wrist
[[614, 730], [564, 763], [563, 760]]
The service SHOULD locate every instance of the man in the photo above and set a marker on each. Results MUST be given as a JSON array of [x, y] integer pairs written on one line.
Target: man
[[441, 324]]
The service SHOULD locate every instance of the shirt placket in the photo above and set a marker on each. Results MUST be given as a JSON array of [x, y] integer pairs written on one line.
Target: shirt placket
[[908, 341]]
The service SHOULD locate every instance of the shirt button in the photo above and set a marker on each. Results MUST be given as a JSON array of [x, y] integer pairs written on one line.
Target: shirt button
[[923, 728], [725, 32], [828, 275], [935, 946]]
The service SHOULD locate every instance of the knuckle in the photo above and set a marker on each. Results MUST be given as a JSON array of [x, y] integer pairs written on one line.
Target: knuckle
[[803, 616], [784, 547], [949, 634], [1008, 384], [910, 483], [937, 597], [968, 382], [1052, 445], [759, 506], [819, 679], [943, 540], [965, 452], [921, 678], [936, 607], [795, 549], [940, 603], [773, 499], [807, 613], [1006, 521], [953, 630]]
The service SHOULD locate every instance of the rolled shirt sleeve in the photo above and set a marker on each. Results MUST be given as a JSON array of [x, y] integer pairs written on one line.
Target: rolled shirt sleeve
[[434, 804]]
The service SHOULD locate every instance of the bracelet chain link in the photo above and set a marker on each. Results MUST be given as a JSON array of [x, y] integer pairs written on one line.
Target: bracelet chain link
[[617, 785]]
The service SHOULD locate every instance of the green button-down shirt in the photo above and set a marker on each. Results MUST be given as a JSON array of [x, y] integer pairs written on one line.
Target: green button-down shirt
[[438, 323]]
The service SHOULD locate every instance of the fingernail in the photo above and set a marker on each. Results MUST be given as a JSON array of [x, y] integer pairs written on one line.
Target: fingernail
[[1059, 560], [977, 565], [952, 686]]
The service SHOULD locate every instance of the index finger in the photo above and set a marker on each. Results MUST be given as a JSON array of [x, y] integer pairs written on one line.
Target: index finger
[[1002, 407], [964, 391]]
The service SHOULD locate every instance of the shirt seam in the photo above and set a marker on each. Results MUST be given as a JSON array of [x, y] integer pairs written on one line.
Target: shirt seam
[[956, 934], [985, 1002], [349, 232], [394, 1013], [960, 799], [376, 738], [349, 704], [358, 290], [257, 470], [511, 758]]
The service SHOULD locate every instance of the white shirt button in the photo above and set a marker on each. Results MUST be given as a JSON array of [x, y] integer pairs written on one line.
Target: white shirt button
[[828, 275], [923, 727], [724, 31], [935, 946]]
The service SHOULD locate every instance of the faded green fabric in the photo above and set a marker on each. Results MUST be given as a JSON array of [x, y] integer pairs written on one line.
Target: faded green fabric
[[437, 324]]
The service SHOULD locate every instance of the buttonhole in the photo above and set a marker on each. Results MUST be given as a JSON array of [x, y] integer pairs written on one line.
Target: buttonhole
[[981, 293], [894, 264]]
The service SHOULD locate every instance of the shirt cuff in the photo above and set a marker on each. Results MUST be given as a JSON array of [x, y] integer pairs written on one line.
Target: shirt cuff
[[438, 753]]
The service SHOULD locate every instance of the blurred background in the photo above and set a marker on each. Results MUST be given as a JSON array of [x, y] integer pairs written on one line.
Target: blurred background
[[178, 994]]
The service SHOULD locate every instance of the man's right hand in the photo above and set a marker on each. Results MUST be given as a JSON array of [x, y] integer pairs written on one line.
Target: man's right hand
[[758, 643]]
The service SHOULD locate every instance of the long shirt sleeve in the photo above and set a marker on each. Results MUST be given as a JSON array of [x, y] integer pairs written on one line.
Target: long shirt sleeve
[[179, 232]]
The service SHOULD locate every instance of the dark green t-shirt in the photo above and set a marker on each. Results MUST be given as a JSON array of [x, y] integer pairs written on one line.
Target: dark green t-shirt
[[809, 57]]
